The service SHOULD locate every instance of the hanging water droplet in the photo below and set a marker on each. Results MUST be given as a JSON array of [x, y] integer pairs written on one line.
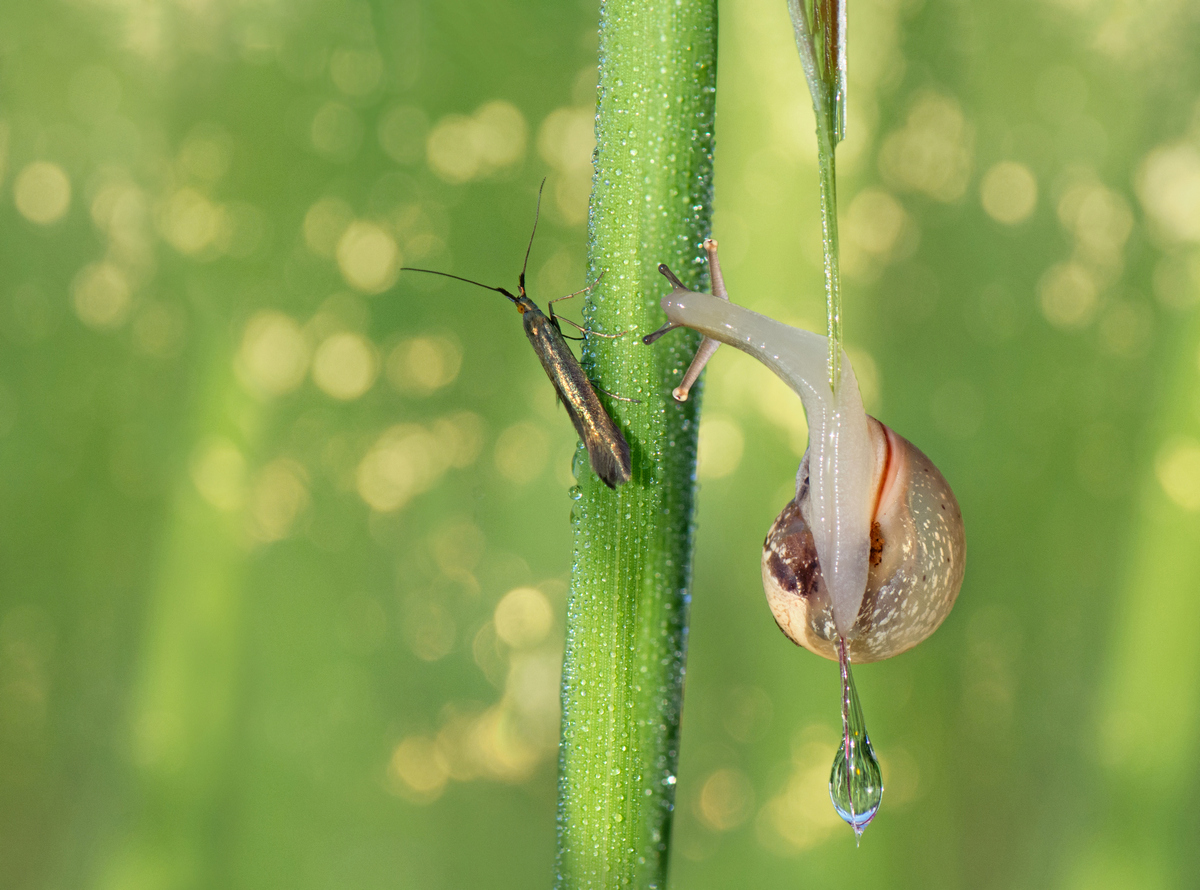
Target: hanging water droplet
[[579, 463], [855, 782]]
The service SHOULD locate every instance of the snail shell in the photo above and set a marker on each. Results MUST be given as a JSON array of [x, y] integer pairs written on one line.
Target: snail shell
[[872, 548], [916, 560]]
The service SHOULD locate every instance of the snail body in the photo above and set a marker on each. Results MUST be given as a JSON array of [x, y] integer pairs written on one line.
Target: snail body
[[872, 548]]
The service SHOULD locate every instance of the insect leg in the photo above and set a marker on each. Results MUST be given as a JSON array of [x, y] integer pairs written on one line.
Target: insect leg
[[556, 318], [613, 394], [582, 290], [586, 332]]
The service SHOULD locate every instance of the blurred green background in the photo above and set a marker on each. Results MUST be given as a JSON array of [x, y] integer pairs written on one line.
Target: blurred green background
[[284, 543]]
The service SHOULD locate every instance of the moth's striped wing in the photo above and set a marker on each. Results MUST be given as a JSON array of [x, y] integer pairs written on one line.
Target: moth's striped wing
[[607, 449]]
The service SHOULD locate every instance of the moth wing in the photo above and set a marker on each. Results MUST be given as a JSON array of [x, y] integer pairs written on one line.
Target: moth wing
[[608, 452], [607, 449]]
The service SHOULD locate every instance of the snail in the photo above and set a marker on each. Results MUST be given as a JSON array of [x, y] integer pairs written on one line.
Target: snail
[[871, 550]]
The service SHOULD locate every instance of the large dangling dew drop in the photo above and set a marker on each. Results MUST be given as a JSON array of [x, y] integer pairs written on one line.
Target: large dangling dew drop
[[855, 782]]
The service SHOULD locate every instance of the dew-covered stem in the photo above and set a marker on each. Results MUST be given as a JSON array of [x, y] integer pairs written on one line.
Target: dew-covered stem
[[627, 612], [829, 243], [820, 30]]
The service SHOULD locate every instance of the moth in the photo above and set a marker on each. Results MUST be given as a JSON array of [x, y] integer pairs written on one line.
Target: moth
[[608, 452]]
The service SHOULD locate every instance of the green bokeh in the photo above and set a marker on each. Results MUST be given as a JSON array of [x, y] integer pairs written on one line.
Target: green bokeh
[[220, 666]]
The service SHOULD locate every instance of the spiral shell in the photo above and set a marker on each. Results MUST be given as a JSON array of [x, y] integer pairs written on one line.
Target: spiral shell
[[917, 557]]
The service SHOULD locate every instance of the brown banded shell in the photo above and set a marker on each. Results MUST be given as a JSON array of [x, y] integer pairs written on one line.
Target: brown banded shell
[[918, 553]]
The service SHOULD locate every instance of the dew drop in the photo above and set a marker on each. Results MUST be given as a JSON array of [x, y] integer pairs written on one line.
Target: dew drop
[[855, 782], [579, 464]]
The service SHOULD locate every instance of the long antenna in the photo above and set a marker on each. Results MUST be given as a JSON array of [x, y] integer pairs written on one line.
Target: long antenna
[[498, 290], [536, 214]]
